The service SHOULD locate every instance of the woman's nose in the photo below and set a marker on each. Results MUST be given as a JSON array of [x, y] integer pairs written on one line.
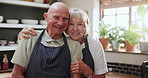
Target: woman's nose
[[75, 27]]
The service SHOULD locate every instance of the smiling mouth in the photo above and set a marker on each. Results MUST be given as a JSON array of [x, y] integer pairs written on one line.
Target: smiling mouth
[[75, 34], [59, 27]]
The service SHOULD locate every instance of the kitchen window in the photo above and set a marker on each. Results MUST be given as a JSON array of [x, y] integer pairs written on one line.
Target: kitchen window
[[123, 16], [117, 16]]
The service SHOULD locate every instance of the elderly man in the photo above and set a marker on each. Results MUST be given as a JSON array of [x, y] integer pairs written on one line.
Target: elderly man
[[49, 54]]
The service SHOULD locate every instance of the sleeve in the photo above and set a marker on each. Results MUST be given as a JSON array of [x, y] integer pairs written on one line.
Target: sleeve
[[99, 59], [77, 52], [19, 56], [23, 52], [75, 49]]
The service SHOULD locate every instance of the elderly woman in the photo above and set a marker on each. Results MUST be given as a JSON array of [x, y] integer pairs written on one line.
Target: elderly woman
[[93, 63]]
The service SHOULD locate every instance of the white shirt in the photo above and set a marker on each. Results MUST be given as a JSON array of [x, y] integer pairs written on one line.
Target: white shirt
[[96, 49]]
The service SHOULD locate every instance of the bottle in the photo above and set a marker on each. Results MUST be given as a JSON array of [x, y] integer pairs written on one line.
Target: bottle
[[5, 65]]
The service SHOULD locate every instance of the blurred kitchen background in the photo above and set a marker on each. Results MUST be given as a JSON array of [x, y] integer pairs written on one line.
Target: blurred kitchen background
[[116, 22]]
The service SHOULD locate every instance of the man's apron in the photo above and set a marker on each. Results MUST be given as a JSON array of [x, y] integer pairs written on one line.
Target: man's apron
[[87, 57], [49, 62]]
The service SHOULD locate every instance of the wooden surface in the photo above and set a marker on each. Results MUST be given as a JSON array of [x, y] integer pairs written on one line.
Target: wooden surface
[[108, 75], [119, 75], [5, 75]]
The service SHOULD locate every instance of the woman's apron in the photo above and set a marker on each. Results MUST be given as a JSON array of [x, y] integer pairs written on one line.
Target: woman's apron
[[49, 62], [87, 57]]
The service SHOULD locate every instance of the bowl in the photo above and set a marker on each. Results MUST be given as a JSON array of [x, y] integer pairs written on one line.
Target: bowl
[[12, 21], [43, 22], [11, 43], [29, 21], [1, 19], [3, 42]]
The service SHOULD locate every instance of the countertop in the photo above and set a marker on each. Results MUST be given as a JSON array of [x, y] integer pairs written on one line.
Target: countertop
[[108, 75]]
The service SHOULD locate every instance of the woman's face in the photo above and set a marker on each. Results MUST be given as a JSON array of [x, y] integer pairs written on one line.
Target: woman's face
[[76, 29]]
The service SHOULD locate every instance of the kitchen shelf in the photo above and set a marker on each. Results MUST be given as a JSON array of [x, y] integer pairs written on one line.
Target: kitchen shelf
[[25, 3], [4, 71], [5, 25], [8, 48]]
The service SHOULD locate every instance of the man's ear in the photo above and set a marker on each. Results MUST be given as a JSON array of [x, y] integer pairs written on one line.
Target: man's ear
[[45, 16]]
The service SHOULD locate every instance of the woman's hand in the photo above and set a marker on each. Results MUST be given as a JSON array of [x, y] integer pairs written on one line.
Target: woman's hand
[[25, 31], [81, 68]]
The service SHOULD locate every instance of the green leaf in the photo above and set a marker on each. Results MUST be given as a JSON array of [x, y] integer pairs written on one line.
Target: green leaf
[[141, 10], [116, 33], [104, 29], [135, 27], [132, 37], [145, 29], [135, 41]]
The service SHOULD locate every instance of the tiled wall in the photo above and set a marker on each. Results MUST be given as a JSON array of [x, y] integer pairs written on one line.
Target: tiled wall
[[124, 68]]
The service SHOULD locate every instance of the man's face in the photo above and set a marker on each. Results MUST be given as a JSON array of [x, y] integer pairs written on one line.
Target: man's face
[[57, 21]]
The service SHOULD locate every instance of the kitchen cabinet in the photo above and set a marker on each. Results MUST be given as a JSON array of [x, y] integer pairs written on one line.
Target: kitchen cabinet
[[21, 10], [18, 10]]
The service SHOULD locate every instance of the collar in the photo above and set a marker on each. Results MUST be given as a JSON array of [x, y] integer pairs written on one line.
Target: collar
[[48, 39]]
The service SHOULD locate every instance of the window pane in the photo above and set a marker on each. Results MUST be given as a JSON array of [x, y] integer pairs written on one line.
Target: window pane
[[122, 10], [109, 20], [109, 11], [136, 18], [134, 14], [146, 19], [123, 20]]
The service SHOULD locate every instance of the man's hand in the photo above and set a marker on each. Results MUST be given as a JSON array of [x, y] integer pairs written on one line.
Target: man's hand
[[25, 31], [18, 71]]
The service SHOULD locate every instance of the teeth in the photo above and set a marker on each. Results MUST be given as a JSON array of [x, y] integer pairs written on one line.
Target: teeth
[[75, 33], [59, 27]]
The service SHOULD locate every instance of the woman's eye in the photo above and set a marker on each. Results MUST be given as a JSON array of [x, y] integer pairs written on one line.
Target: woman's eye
[[80, 24]]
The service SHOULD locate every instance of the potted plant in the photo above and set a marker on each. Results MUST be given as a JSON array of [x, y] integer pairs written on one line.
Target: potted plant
[[141, 12], [116, 37], [132, 37], [103, 34]]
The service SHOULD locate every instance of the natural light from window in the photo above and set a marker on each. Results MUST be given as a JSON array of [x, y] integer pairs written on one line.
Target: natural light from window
[[124, 16]]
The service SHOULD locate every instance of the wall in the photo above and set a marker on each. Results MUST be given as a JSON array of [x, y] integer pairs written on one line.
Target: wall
[[126, 58], [127, 63], [90, 6]]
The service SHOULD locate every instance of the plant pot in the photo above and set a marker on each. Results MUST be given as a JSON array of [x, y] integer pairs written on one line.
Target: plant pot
[[105, 43], [129, 47], [39, 1], [144, 46], [115, 45], [49, 1]]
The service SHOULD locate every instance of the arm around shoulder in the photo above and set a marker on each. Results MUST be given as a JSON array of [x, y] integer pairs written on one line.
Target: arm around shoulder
[[18, 71]]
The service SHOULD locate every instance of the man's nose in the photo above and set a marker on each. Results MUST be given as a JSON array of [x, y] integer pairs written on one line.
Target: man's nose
[[60, 22]]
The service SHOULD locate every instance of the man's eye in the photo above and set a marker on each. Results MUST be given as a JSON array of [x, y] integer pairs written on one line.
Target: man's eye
[[65, 19], [71, 24], [55, 17]]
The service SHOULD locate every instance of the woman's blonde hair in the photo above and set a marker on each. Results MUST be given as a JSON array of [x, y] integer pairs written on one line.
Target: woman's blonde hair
[[80, 14]]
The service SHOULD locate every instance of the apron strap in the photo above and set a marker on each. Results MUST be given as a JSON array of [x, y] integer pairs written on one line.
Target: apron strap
[[40, 37]]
